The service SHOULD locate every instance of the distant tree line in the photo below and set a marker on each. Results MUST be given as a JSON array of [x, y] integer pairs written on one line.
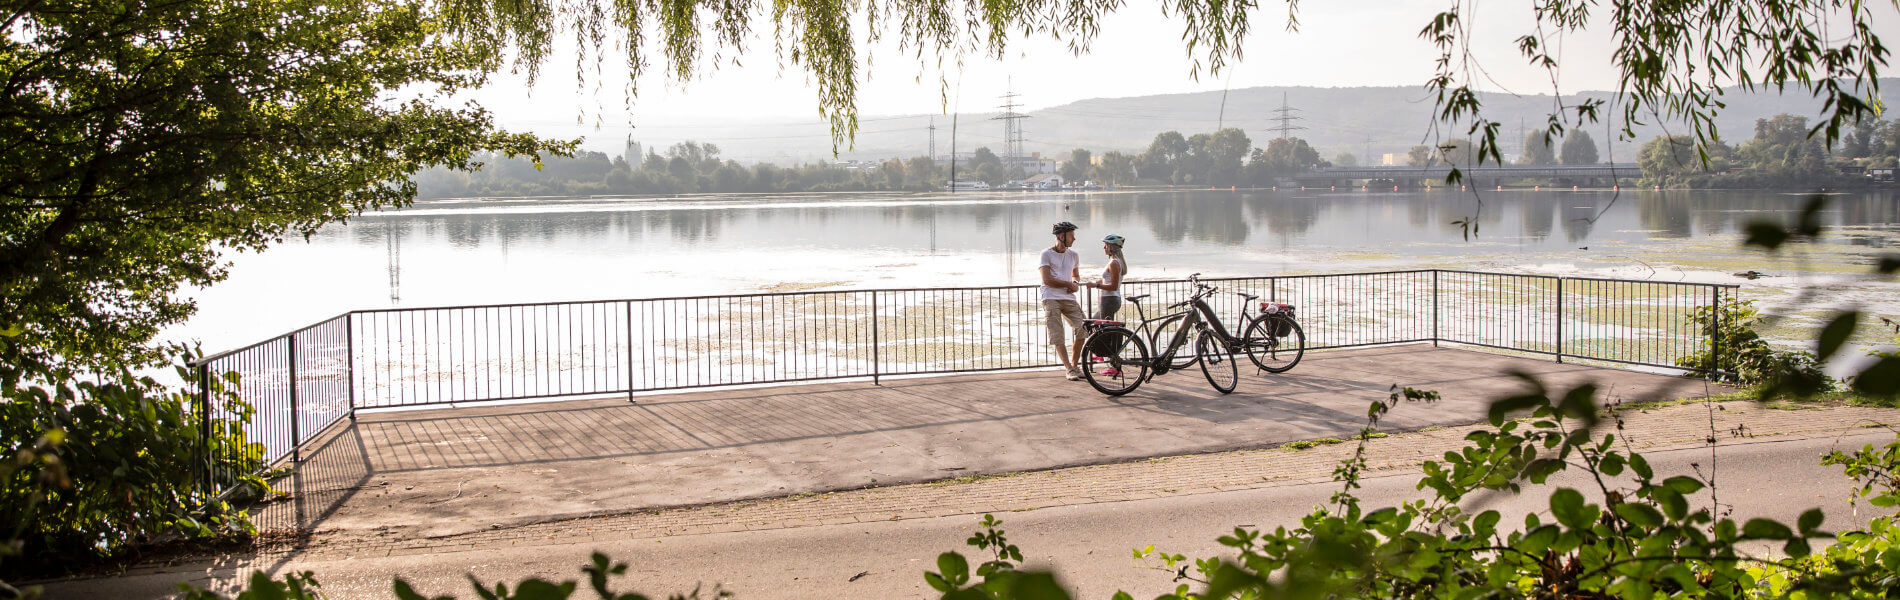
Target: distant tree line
[[1222, 158], [686, 167], [1781, 155], [1576, 148]]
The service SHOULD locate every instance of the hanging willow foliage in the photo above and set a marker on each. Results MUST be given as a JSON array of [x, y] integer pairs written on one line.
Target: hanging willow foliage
[[1676, 58]]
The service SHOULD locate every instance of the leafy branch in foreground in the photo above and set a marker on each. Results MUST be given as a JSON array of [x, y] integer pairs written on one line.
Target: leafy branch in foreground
[[600, 572], [1627, 531]]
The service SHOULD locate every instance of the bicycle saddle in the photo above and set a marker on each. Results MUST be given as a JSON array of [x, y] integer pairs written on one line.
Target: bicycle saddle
[[1249, 297], [1136, 298]]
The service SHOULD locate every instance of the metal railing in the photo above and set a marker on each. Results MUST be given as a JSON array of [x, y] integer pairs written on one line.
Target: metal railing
[[283, 391]]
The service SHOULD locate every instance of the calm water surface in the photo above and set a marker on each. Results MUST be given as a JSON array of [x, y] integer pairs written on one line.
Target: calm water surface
[[504, 251]]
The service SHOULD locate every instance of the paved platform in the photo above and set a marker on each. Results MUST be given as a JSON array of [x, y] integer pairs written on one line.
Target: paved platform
[[420, 474]]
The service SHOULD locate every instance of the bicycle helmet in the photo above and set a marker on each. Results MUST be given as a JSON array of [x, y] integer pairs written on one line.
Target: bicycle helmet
[[1114, 239], [1064, 227]]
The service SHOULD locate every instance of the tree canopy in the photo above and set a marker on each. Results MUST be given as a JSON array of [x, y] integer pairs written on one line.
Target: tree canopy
[[1578, 149], [143, 138]]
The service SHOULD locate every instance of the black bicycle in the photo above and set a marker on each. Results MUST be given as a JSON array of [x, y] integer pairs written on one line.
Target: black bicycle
[[1123, 354], [1274, 339]]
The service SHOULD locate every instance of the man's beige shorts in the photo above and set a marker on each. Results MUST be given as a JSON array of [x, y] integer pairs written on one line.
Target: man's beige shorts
[[1054, 313]]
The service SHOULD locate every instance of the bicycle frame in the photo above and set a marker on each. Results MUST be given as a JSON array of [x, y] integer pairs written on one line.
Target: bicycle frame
[[1163, 360]]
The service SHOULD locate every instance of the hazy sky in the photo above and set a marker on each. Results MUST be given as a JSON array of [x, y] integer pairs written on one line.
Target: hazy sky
[[1139, 52]]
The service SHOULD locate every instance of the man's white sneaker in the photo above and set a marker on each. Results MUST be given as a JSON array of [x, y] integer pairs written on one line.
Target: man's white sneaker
[[1075, 374]]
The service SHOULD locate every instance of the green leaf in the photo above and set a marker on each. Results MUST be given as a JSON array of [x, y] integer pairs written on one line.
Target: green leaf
[[1538, 539], [1568, 506], [955, 569], [1672, 503], [1766, 529], [537, 589], [1837, 332], [1683, 484], [1797, 548], [404, 592], [1380, 516], [1641, 466], [1810, 520], [1612, 464], [937, 583], [1037, 586], [1501, 410], [1766, 234], [1809, 224], [1486, 523], [1880, 379], [1640, 515]]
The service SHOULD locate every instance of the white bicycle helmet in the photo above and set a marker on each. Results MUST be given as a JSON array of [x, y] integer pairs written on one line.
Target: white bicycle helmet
[[1114, 239]]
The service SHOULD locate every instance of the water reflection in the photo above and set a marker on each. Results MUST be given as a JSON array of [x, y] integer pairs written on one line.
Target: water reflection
[[478, 252], [1183, 220]]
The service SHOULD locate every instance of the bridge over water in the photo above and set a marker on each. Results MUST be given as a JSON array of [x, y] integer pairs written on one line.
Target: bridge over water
[[1486, 175]]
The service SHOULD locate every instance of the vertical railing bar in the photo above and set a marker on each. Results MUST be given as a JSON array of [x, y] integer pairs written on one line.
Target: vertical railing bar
[[629, 354], [349, 359], [296, 454], [1560, 319], [1715, 332], [1435, 336]]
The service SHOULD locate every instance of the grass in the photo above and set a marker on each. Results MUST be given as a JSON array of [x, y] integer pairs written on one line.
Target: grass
[[1304, 444], [969, 479], [1842, 398]]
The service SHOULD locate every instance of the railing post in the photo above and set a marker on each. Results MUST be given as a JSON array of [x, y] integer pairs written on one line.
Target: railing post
[[296, 441], [1715, 332], [876, 358], [1560, 319], [629, 354], [349, 366], [630, 385], [1434, 308], [204, 427]]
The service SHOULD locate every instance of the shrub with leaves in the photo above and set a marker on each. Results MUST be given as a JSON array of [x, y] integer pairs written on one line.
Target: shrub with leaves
[[1743, 357], [303, 586], [126, 467], [1630, 532]]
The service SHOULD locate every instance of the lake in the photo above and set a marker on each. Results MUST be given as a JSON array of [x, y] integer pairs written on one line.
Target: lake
[[460, 252]]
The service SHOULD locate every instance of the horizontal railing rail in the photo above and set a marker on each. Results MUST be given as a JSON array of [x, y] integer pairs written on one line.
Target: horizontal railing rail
[[279, 393]]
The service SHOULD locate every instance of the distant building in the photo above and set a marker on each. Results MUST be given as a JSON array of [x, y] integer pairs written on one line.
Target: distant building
[[1394, 160]]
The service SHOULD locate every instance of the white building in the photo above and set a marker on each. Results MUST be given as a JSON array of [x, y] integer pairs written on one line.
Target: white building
[[1044, 181]]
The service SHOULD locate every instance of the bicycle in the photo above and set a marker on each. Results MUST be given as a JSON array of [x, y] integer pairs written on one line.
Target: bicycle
[[1273, 340], [1128, 361]]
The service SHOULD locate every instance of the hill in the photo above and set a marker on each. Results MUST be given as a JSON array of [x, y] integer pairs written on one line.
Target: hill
[[1365, 121]]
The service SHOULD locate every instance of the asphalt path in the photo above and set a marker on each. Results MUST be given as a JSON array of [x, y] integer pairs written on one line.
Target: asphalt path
[[1088, 546]]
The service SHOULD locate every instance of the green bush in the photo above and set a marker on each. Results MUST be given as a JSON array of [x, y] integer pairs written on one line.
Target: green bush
[[128, 467], [303, 586], [1632, 533], [1744, 357]]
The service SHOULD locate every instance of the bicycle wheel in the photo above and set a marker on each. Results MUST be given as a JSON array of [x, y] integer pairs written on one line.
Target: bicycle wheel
[[1124, 361], [1164, 332], [1222, 369], [1272, 353]]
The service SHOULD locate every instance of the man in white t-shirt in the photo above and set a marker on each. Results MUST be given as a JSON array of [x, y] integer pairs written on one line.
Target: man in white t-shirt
[[1061, 266]]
